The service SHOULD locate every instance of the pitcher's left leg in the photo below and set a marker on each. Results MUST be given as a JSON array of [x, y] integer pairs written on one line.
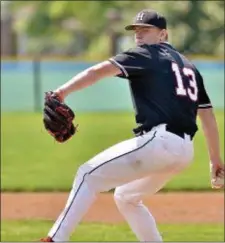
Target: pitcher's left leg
[[80, 199]]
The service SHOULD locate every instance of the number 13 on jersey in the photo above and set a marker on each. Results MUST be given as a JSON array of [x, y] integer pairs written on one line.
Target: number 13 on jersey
[[192, 90]]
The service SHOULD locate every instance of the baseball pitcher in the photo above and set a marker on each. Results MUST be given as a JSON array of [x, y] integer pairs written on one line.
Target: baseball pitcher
[[168, 93]]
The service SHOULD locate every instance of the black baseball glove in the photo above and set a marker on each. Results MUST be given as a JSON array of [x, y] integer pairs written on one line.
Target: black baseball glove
[[58, 118]]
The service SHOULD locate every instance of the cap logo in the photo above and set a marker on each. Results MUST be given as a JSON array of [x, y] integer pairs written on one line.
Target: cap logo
[[140, 16]]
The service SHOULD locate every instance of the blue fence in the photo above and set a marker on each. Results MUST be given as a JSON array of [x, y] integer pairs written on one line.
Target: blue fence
[[20, 91]]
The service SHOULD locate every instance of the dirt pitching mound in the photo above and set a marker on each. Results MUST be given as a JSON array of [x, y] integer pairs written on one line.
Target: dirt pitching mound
[[166, 207]]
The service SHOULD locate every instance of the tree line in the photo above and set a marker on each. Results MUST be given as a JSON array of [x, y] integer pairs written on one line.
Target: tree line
[[92, 27]]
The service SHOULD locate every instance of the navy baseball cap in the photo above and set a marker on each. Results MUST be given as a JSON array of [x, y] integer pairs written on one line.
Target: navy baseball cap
[[148, 18]]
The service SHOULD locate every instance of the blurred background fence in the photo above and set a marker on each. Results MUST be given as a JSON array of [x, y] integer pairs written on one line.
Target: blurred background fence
[[24, 83], [85, 32]]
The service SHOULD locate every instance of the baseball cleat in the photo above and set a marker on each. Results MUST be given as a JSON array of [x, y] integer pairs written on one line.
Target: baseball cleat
[[48, 239]]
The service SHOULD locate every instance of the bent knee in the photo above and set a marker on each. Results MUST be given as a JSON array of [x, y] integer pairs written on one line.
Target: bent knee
[[125, 199], [94, 181], [81, 174], [83, 171]]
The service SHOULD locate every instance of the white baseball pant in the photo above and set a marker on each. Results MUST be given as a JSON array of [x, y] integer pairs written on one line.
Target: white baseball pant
[[135, 167]]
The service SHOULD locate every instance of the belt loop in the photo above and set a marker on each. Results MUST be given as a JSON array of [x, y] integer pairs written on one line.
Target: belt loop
[[187, 137], [138, 131], [164, 126]]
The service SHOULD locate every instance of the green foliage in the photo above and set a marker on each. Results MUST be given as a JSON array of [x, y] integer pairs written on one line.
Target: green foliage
[[202, 30], [29, 153], [101, 44], [194, 26], [34, 230]]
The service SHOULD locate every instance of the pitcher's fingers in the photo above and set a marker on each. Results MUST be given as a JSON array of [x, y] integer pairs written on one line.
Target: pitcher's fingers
[[221, 171], [220, 174]]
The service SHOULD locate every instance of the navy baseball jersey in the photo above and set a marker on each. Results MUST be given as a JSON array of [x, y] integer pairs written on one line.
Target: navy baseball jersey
[[165, 86]]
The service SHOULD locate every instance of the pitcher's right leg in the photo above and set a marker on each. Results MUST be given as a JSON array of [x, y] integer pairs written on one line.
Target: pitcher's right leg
[[128, 200]]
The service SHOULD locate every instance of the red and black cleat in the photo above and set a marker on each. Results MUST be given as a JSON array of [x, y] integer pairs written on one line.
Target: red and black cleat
[[48, 239]]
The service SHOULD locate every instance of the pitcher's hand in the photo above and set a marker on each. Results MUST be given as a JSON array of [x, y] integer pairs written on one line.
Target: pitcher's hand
[[217, 174]]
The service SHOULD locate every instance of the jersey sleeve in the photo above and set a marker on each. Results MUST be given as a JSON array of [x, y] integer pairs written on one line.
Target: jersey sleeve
[[133, 62], [204, 101]]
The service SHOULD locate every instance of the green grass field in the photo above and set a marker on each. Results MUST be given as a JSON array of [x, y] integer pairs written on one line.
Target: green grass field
[[32, 161], [34, 230]]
